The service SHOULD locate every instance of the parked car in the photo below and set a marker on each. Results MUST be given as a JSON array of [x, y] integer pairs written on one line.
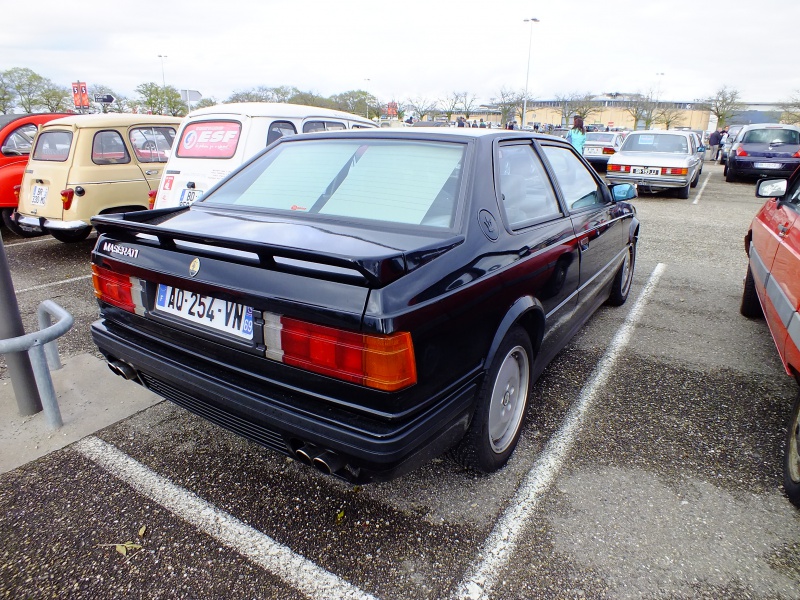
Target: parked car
[[764, 150], [600, 145], [366, 300], [772, 289], [657, 160], [213, 141], [16, 140], [733, 130], [86, 165]]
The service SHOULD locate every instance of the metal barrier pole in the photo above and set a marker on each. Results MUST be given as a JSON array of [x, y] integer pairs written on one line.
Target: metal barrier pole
[[51, 347], [19, 363], [47, 392]]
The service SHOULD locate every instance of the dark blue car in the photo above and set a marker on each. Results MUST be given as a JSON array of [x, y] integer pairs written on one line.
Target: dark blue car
[[763, 150]]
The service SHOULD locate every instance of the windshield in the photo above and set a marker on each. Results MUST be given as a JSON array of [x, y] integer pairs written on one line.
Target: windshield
[[649, 142], [396, 181], [768, 136]]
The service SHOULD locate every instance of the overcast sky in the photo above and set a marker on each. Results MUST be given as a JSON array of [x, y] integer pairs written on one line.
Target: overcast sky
[[682, 49]]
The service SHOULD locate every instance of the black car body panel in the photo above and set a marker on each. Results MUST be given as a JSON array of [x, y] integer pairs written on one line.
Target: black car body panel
[[456, 288]]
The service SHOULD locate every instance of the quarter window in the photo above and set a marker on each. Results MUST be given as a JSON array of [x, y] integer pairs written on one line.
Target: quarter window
[[525, 190], [109, 149], [312, 126], [579, 188], [19, 141], [278, 129], [53, 146]]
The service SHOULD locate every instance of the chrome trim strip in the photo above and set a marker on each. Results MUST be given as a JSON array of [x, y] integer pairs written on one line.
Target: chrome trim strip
[[757, 267], [783, 306]]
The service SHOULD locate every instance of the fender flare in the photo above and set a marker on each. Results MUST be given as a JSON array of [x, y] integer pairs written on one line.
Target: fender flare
[[528, 311]]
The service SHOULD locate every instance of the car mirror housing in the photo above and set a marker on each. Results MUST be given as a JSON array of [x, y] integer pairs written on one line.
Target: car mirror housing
[[623, 191], [771, 188]]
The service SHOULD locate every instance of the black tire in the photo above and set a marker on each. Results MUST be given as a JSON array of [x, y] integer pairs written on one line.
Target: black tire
[[502, 401], [750, 306], [696, 180], [13, 227], [791, 457], [683, 193], [621, 286], [70, 236], [730, 174]]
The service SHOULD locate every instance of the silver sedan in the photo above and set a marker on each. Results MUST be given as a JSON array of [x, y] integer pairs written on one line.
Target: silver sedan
[[657, 161]]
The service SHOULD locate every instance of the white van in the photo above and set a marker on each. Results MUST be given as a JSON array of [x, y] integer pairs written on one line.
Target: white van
[[213, 141]]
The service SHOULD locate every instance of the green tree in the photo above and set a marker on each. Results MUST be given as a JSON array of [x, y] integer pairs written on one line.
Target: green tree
[[160, 100], [311, 99], [174, 105], [103, 90], [7, 94], [205, 102], [55, 98], [790, 108], [27, 86]]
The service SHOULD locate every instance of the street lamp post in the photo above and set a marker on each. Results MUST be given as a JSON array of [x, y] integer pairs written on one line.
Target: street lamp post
[[366, 100], [528, 70], [163, 79]]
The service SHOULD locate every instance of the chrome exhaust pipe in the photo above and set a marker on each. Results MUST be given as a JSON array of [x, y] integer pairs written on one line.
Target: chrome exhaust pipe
[[328, 462], [307, 454], [122, 369]]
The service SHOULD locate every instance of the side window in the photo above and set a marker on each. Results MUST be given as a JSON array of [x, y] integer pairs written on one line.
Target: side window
[[109, 149], [151, 144], [579, 188], [312, 126], [334, 126], [793, 197], [19, 141], [361, 126], [278, 129], [525, 190]]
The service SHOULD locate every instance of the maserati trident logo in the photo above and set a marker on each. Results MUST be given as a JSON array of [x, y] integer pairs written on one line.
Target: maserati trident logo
[[194, 267]]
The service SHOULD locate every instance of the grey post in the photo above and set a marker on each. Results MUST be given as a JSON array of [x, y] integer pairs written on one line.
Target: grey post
[[19, 363]]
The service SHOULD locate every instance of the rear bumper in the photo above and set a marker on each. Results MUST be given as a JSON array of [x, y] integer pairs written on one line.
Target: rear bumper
[[362, 449], [652, 183], [748, 166], [43, 223]]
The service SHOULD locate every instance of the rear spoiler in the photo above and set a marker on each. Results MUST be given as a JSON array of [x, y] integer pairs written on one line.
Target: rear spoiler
[[378, 271]]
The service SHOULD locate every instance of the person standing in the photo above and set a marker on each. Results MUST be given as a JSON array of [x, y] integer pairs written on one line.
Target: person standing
[[577, 135], [713, 141]]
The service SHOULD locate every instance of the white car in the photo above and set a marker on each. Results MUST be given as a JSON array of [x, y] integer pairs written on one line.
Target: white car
[[601, 145], [656, 161]]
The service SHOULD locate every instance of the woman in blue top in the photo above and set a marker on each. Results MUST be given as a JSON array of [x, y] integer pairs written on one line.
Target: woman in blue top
[[577, 135]]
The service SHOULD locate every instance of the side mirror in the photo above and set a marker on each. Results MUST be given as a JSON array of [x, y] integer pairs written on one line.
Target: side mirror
[[623, 191], [771, 188], [701, 149]]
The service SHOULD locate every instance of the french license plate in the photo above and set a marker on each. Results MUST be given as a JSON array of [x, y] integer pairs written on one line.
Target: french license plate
[[39, 196], [767, 165], [228, 317], [592, 151], [645, 171], [189, 196]]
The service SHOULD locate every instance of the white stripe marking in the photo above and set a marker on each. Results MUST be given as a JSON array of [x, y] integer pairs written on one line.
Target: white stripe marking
[[47, 285], [45, 238], [502, 541], [310, 579], [702, 187]]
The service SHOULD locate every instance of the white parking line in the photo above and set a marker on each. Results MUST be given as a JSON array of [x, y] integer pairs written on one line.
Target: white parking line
[[501, 543], [702, 187], [310, 579], [52, 283]]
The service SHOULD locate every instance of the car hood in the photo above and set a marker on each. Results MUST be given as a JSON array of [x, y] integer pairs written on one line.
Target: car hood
[[770, 151], [378, 256], [643, 159]]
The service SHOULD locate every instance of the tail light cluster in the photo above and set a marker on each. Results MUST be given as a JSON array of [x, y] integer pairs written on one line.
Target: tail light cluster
[[151, 195], [608, 150], [619, 168], [17, 188], [741, 151], [66, 197], [382, 362], [675, 170]]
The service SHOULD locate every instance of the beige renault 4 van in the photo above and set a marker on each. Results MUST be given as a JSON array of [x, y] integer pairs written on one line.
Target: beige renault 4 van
[[213, 141], [86, 165]]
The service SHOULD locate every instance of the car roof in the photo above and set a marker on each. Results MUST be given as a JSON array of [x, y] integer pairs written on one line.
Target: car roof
[[433, 133], [112, 120], [275, 109], [770, 126], [10, 118]]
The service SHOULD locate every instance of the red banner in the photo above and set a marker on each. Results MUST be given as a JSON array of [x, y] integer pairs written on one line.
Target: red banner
[[80, 94]]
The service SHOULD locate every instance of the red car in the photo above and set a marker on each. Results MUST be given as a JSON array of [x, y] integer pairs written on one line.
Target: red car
[[772, 288], [16, 139]]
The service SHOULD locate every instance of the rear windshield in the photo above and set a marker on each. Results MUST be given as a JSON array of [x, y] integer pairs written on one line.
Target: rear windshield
[[209, 139], [606, 138], [648, 142], [767, 136], [396, 181], [53, 145]]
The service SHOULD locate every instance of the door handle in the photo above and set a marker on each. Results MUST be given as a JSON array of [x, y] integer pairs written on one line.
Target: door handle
[[782, 230], [151, 172], [583, 243]]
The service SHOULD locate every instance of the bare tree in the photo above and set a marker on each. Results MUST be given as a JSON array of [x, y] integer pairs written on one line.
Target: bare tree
[[567, 104], [669, 115], [468, 103], [421, 106], [642, 107], [724, 104], [584, 105], [450, 104], [509, 103]]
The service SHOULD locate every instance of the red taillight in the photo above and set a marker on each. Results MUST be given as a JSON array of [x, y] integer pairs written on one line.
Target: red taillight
[[383, 362], [66, 197], [796, 154], [619, 168], [17, 188], [113, 288], [741, 151], [152, 196], [676, 171], [608, 151]]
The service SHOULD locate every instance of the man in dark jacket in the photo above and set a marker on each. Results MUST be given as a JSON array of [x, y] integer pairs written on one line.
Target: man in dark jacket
[[713, 141]]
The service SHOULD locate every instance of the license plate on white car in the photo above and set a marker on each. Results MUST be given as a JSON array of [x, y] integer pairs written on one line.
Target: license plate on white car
[[39, 195], [645, 171], [592, 151], [190, 196], [767, 165], [228, 317]]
